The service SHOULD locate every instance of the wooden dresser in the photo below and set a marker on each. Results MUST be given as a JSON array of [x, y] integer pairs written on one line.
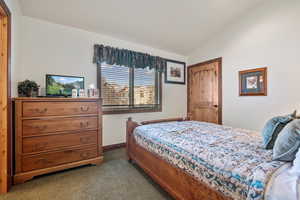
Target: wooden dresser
[[53, 134]]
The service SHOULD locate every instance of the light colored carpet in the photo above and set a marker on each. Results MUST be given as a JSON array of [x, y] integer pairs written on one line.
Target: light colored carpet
[[115, 179]]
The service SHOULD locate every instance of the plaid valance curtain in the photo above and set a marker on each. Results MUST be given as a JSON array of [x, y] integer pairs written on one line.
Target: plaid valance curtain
[[127, 58]]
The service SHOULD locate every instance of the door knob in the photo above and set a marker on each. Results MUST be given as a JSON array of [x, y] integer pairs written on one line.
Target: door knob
[[215, 106]]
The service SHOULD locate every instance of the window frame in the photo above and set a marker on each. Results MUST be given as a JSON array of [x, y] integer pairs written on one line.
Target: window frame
[[132, 108]]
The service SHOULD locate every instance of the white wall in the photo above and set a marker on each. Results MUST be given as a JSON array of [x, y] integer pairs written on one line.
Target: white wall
[[55, 49], [16, 17], [268, 36]]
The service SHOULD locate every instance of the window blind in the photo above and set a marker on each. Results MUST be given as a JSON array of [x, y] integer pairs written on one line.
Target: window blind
[[144, 87], [115, 85], [124, 88]]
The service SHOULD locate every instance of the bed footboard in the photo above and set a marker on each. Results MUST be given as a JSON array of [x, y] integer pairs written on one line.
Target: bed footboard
[[176, 182], [130, 126]]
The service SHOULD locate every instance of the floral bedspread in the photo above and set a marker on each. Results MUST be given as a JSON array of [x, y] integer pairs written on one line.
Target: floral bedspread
[[229, 160]]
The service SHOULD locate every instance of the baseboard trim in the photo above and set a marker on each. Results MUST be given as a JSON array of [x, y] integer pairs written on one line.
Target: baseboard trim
[[113, 146]]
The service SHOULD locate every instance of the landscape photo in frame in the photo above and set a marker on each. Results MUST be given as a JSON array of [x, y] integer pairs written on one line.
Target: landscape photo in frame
[[175, 72]]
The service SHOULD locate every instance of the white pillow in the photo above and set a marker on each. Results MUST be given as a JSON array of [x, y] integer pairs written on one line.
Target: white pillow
[[296, 165], [285, 183]]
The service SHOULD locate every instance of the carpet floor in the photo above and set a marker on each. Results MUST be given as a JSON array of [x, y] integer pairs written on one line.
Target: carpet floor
[[115, 179]]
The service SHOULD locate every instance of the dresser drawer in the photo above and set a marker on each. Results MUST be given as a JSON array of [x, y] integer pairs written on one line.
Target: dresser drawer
[[40, 109], [56, 142], [57, 158], [40, 126]]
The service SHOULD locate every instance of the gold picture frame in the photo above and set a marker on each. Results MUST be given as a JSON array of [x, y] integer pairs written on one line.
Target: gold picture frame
[[253, 82]]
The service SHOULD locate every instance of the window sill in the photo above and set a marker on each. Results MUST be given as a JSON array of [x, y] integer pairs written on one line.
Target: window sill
[[111, 111]]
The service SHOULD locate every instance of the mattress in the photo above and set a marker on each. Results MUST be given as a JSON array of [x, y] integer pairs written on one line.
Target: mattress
[[231, 161]]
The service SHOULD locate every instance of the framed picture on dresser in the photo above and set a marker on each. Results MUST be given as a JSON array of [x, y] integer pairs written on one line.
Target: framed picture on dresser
[[253, 82], [175, 72]]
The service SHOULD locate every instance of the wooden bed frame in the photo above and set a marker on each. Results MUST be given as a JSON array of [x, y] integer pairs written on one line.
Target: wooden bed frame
[[175, 181]]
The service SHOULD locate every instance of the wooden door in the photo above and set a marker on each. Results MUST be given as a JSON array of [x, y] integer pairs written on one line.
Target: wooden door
[[5, 137], [205, 91]]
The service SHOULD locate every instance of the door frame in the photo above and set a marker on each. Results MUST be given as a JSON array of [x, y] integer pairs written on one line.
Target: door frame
[[220, 96], [5, 95]]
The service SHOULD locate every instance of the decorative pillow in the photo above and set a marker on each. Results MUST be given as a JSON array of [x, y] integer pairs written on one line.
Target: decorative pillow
[[273, 128], [288, 142]]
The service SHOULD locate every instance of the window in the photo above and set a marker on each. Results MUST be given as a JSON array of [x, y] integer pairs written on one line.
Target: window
[[126, 89]]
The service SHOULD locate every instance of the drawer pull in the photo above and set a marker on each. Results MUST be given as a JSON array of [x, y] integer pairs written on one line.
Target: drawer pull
[[43, 111], [43, 161], [84, 125], [84, 140], [41, 128], [84, 109], [84, 155], [69, 151], [40, 146]]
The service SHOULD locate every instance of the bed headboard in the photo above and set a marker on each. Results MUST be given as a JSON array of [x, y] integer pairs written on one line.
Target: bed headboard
[[163, 120]]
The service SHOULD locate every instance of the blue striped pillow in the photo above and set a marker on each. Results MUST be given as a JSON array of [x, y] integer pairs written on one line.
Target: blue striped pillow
[[288, 142], [273, 128]]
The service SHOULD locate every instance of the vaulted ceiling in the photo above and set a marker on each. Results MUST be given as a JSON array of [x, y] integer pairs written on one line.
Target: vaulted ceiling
[[178, 26]]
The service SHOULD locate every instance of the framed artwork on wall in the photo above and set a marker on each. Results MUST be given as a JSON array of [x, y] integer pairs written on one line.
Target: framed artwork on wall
[[175, 72], [253, 82]]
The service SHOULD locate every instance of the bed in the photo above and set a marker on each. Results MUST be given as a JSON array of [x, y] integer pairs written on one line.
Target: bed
[[202, 161]]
